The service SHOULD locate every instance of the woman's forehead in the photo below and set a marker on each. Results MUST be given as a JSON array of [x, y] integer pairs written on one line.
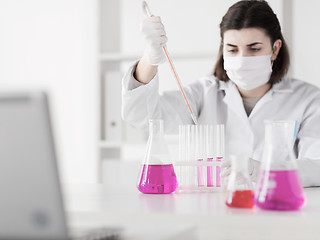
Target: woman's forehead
[[245, 36]]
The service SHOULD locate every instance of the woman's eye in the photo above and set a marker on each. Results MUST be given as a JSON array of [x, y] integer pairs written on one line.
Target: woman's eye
[[255, 49], [232, 50]]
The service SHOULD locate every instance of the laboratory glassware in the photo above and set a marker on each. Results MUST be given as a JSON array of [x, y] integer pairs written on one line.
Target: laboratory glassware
[[210, 154], [147, 11], [196, 165], [201, 151], [279, 186], [219, 136], [186, 166], [240, 192], [157, 172]]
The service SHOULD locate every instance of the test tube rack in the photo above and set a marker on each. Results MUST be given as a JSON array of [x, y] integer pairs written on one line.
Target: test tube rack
[[201, 152]]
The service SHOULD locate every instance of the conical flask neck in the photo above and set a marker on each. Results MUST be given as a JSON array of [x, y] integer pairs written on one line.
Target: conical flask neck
[[155, 128], [278, 133], [157, 151], [239, 164], [275, 136], [239, 170], [278, 151]]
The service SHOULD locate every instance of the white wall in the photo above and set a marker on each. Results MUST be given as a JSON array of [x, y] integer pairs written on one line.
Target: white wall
[[306, 37], [52, 45]]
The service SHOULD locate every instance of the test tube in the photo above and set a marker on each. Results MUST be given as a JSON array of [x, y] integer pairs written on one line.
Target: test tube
[[210, 154], [190, 172], [189, 152], [200, 137], [219, 151], [182, 154], [182, 143]]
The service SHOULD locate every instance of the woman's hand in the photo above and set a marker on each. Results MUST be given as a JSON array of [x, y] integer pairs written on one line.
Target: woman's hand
[[154, 33], [253, 170], [155, 36]]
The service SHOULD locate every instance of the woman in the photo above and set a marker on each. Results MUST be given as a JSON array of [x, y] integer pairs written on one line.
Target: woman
[[249, 85]]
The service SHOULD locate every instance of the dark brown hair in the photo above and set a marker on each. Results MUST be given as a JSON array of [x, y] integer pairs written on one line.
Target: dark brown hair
[[254, 14]]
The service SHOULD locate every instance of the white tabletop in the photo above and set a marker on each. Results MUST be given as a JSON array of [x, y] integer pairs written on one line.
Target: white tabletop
[[192, 215]]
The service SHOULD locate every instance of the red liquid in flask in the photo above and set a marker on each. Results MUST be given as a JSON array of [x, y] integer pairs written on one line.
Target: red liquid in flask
[[284, 191], [240, 199], [158, 179]]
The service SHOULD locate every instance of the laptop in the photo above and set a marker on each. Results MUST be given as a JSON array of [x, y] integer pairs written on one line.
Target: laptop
[[31, 203]]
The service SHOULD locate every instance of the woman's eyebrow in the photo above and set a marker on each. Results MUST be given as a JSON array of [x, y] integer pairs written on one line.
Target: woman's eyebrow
[[231, 45], [254, 43], [249, 45]]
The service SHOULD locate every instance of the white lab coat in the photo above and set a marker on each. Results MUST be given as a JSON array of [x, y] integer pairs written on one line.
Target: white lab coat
[[221, 103]]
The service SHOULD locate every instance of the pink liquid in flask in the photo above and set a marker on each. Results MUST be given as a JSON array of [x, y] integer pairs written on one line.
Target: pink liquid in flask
[[158, 179], [284, 191]]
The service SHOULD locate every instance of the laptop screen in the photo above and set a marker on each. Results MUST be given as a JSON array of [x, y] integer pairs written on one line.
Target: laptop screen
[[31, 205]]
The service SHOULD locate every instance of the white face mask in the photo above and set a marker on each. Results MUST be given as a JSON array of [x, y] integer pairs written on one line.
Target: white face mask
[[248, 72]]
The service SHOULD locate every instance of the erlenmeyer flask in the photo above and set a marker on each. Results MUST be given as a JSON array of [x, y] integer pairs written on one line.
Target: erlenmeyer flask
[[239, 190], [157, 172], [279, 186]]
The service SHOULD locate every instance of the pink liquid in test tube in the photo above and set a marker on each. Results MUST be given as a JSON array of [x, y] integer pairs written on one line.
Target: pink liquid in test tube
[[210, 174]]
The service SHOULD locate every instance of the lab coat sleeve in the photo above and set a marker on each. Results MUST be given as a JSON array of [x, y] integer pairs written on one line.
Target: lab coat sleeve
[[141, 102], [309, 145]]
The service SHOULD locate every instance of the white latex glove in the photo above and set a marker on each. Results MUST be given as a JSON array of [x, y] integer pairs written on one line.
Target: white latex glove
[[253, 170], [153, 31]]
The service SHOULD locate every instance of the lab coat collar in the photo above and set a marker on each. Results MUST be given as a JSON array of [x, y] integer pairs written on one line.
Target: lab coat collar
[[224, 85], [233, 99], [285, 86]]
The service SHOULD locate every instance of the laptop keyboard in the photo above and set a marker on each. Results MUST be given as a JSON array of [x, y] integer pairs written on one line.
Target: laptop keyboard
[[96, 234]]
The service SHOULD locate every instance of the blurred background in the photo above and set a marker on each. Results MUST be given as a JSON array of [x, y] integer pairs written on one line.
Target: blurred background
[[78, 51]]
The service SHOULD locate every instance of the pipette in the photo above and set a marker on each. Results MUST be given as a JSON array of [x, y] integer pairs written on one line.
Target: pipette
[[148, 13]]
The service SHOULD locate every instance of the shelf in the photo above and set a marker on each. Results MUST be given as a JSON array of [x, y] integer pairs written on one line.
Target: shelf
[[110, 144], [117, 57], [119, 144], [122, 151]]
